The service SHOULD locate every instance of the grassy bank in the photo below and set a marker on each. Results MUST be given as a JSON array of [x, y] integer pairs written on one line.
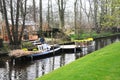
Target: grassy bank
[[103, 64], [93, 35]]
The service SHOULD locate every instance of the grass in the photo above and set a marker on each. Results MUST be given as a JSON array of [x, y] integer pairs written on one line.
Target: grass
[[92, 34], [103, 64]]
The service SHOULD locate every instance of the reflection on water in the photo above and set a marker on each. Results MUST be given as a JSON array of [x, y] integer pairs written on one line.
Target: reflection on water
[[11, 69], [29, 70]]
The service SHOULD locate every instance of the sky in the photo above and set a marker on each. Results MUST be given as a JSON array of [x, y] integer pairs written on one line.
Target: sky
[[69, 6], [69, 3]]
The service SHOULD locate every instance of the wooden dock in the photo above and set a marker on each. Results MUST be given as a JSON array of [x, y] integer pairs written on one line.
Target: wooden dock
[[70, 48]]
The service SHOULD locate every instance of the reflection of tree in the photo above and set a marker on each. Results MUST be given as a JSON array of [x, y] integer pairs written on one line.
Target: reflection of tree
[[77, 55], [53, 65], [20, 70], [96, 44], [21, 74], [84, 51], [8, 71], [62, 60], [100, 43], [9, 68], [16, 70], [37, 69], [43, 64], [2, 64]]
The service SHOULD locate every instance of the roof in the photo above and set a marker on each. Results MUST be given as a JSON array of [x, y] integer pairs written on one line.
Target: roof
[[27, 22]]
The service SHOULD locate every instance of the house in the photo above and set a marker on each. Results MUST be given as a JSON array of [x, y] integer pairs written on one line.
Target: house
[[30, 30]]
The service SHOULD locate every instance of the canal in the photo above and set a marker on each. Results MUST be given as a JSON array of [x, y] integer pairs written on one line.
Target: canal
[[11, 69]]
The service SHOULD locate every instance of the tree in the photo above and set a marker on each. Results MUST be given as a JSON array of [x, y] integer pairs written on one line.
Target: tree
[[48, 15], [23, 24], [40, 18], [96, 15], [1, 6], [34, 11], [84, 9], [75, 16], [61, 9], [6, 21], [109, 14], [87, 11], [14, 34]]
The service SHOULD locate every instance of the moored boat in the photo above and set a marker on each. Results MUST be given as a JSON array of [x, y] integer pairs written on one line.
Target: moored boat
[[43, 50], [51, 51]]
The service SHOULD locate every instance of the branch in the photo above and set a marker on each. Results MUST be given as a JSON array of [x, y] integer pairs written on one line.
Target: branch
[[23, 26]]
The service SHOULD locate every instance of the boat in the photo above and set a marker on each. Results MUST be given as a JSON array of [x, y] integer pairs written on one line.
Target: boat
[[44, 50]]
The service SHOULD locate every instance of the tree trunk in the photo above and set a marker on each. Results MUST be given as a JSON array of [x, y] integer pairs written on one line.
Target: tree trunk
[[17, 24], [61, 8], [1, 6], [12, 19], [6, 21], [95, 16], [34, 12], [48, 15], [40, 17], [23, 25], [75, 16]]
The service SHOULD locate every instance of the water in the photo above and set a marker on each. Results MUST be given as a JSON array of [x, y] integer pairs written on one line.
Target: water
[[29, 70], [11, 69]]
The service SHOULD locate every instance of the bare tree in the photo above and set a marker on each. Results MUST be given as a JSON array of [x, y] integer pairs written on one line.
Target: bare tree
[[75, 16], [1, 6], [40, 17], [34, 11], [52, 15], [48, 15], [85, 10], [96, 15], [23, 24], [61, 9], [6, 21], [13, 34]]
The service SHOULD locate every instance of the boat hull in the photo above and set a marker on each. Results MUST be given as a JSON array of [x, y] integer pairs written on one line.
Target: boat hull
[[46, 53]]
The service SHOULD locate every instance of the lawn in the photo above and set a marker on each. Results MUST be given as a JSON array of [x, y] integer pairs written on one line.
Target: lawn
[[103, 64]]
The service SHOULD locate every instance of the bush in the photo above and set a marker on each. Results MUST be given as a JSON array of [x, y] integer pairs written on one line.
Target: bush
[[27, 44]]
